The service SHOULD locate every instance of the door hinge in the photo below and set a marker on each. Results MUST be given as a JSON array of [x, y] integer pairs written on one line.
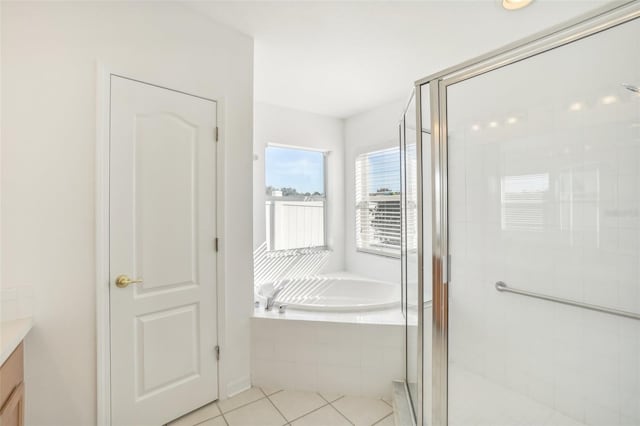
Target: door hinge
[[217, 349], [216, 131], [215, 244]]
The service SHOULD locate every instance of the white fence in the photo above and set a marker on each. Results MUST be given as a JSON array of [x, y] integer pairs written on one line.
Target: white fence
[[293, 224]]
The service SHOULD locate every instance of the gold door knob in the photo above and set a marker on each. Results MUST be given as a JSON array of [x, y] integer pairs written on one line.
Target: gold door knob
[[123, 281]]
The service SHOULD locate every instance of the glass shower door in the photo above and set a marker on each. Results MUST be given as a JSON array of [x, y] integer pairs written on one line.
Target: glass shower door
[[409, 249], [544, 238], [416, 265]]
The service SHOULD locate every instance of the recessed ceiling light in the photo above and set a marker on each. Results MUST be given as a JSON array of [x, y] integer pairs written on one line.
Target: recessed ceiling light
[[608, 100], [512, 120], [576, 106], [475, 127], [493, 124], [515, 4]]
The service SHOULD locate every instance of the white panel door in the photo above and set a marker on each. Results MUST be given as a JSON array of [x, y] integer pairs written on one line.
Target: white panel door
[[162, 232]]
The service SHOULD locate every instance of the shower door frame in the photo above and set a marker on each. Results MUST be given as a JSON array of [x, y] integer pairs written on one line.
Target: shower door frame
[[576, 29]]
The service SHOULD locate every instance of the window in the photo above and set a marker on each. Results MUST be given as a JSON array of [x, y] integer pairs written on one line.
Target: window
[[378, 202], [295, 198]]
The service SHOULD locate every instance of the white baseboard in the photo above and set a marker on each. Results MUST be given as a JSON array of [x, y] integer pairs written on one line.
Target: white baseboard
[[237, 386]]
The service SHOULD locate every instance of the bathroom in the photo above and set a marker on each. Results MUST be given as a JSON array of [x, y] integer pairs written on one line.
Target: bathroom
[[375, 213]]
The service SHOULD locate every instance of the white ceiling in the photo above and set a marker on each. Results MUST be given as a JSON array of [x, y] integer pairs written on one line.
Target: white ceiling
[[341, 58]]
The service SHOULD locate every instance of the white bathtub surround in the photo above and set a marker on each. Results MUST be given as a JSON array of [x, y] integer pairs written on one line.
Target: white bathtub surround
[[391, 316], [347, 358], [335, 293], [258, 406]]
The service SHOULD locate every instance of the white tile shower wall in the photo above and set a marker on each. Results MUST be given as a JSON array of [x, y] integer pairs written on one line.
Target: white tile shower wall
[[352, 359], [582, 246]]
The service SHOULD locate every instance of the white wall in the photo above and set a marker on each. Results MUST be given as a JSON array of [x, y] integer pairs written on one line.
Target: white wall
[[49, 54], [369, 131], [278, 125]]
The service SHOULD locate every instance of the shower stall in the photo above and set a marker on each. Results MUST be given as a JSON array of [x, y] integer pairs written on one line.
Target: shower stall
[[521, 231]]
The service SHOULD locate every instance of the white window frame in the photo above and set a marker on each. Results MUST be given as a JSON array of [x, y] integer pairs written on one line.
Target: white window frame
[[384, 252], [269, 226]]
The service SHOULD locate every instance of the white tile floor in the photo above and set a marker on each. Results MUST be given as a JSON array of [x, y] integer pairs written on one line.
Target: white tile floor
[[272, 407]]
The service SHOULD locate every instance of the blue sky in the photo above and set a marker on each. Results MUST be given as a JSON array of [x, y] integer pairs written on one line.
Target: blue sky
[[294, 168]]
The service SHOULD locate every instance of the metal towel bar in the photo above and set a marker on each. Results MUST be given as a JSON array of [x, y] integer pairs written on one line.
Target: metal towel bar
[[501, 286]]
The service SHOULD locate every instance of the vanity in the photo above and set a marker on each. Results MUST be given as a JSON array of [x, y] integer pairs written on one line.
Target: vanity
[[12, 334]]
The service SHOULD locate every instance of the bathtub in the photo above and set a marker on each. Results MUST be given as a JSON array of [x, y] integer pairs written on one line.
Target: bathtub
[[332, 293]]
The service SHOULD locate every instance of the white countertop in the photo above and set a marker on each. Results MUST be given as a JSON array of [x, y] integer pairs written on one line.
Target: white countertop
[[11, 334]]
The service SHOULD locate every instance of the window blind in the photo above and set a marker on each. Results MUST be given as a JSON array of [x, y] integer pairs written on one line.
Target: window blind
[[523, 202], [378, 208]]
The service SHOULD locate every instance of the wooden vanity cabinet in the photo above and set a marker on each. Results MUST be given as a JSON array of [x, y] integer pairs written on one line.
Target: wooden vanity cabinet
[[12, 389]]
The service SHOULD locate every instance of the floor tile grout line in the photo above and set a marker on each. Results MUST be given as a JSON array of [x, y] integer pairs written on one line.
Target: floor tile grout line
[[265, 394], [274, 406], [243, 405], [225, 419], [289, 422], [340, 412], [381, 418], [325, 399], [329, 402], [386, 402], [312, 411], [375, 422], [211, 418], [387, 416], [196, 410]]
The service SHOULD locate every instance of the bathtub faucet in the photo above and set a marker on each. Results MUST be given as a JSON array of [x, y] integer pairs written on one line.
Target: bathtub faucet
[[272, 299]]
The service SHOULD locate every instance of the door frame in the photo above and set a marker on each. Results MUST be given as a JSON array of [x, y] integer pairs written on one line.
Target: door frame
[[102, 158]]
